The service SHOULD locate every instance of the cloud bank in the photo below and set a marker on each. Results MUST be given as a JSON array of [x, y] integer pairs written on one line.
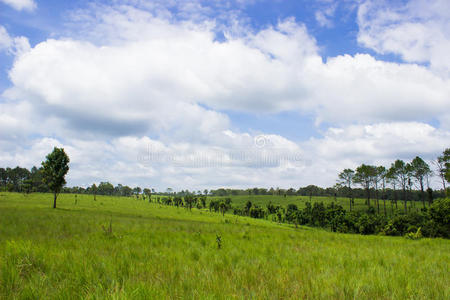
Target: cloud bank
[[137, 82]]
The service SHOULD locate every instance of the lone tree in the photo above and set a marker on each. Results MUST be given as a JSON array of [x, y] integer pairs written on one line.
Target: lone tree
[[54, 169], [94, 191]]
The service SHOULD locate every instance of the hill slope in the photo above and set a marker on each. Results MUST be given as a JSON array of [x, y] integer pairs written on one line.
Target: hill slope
[[155, 251]]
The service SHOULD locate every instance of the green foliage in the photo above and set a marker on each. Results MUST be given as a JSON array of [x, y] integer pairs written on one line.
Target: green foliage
[[54, 170], [414, 235], [440, 217], [446, 162]]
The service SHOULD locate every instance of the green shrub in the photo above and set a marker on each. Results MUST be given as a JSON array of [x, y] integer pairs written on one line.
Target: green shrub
[[414, 235]]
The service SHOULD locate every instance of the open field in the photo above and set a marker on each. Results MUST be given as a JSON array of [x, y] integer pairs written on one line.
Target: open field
[[359, 203], [157, 251]]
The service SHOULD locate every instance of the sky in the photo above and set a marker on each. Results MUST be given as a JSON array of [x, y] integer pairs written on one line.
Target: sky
[[200, 94]]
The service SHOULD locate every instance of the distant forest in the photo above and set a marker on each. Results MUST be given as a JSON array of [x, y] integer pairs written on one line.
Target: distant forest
[[23, 180]]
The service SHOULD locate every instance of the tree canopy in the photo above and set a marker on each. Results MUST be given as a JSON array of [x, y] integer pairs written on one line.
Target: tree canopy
[[54, 169]]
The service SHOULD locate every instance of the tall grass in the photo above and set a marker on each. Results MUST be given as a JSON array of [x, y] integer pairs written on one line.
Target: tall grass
[[154, 251]]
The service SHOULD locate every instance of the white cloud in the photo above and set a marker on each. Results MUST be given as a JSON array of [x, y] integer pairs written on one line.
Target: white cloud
[[29, 5], [418, 31], [240, 160], [5, 39], [13, 45], [378, 144], [324, 16], [142, 80], [170, 69], [362, 89], [382, 140]]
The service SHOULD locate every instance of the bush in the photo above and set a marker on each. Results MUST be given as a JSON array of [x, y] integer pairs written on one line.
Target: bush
[[440, 215], [414, 235], [257, 212]]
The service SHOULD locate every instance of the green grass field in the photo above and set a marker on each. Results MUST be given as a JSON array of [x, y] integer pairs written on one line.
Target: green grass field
[[162, 252], [359, 204]]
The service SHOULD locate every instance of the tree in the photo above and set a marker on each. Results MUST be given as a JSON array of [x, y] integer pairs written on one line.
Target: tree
[[126, 191], [137, 191], [392, 178], [3, 177], [248, 206], [364, 175], [346, 178], [54, 169], [105, 188], [419, 170], [380, 177], [94, 191], [190, 201], [16, 177], [446, 160], [440, 168], [223, 207], [148, 193], [401, 170], [37, 179], [27, 186], [409, 176]]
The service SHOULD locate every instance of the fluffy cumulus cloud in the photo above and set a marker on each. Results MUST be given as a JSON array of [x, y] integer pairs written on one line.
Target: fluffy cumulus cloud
[[21, 4], [139, 97], [418, 31]]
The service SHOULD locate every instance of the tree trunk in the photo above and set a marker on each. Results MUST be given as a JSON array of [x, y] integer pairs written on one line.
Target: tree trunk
[[351, 197], [422, 193], [384, 204], [378, 202], [54, 199], [404, 200]]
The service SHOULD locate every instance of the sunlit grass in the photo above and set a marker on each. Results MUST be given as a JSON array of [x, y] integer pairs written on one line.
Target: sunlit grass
[[158, 252]]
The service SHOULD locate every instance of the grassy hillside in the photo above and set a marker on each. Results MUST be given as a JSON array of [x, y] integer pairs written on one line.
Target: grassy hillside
[[155, 251], [359, 204]]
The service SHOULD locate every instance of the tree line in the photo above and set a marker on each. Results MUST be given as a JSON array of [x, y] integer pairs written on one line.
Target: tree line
[[403, 177], [402, 180], [432, 221], [22, 180]]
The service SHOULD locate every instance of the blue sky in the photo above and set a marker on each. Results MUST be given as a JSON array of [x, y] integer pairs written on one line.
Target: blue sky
[[335, 83]]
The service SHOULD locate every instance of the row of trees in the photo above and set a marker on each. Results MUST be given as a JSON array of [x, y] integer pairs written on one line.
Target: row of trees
[[400, 175], [338, 190], [27, 181], [430, 222]]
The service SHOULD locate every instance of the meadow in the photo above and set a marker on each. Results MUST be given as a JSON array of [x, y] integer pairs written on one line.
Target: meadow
[[359, 204], [124, 248]]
